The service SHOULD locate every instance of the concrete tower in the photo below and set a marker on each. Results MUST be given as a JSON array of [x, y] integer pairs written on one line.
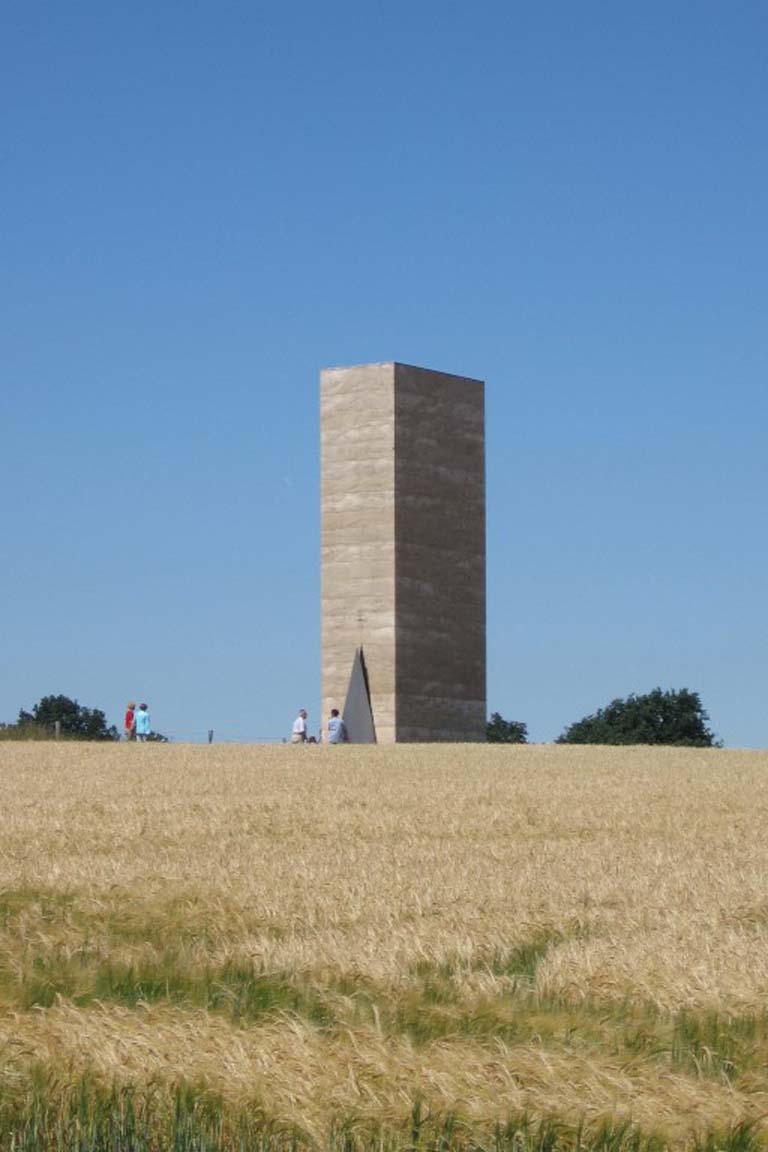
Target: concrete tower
[[403, 548]]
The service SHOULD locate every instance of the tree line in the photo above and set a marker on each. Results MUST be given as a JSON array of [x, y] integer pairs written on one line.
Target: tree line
[[58, 715], [672, 717]]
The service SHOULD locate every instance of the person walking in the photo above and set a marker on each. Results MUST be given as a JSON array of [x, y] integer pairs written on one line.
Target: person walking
[[337, 729], [299, 731], [143, 723], [129, 724]]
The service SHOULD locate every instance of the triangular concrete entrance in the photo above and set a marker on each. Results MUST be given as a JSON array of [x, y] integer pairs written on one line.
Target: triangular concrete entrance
[[358, 714]]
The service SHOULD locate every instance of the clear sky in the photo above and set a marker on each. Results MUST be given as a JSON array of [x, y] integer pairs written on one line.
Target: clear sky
[[203, 204]]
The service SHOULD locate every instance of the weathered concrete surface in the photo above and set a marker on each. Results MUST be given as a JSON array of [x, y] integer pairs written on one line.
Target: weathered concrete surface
[[439, 556], [403, 547], [357, 440]]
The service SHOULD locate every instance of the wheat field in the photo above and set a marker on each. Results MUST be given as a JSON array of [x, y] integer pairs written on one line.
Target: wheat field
[[437, 946]]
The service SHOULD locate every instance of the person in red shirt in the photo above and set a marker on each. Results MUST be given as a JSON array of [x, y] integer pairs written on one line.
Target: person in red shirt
[[130, 721]]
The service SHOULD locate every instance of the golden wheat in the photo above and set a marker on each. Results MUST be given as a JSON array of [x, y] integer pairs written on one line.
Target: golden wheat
[[339, 932]]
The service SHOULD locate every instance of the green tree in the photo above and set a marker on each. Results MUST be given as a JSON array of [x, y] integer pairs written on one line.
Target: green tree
[[77, 722], [501, 731], [655, 718]]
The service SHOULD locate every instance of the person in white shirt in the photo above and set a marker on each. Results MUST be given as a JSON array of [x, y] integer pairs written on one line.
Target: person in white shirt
[[299, 733]]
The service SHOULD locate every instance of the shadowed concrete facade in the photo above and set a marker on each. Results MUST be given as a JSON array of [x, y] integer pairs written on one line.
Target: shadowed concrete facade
[[403, 547]]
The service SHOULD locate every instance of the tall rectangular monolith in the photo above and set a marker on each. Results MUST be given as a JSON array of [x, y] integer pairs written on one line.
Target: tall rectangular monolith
[[403, 549]]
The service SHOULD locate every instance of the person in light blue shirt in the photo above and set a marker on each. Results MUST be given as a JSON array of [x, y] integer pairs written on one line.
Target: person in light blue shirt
[[337, 732], [143, 724]]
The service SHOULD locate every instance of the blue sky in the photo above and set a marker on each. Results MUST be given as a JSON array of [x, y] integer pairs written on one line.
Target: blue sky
[[204, 204]]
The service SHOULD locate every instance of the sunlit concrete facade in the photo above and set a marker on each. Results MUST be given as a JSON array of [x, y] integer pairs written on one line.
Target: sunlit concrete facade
[[403, 547]]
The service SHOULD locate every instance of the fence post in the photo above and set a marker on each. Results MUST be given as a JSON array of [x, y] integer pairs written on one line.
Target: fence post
[[56, 729]]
